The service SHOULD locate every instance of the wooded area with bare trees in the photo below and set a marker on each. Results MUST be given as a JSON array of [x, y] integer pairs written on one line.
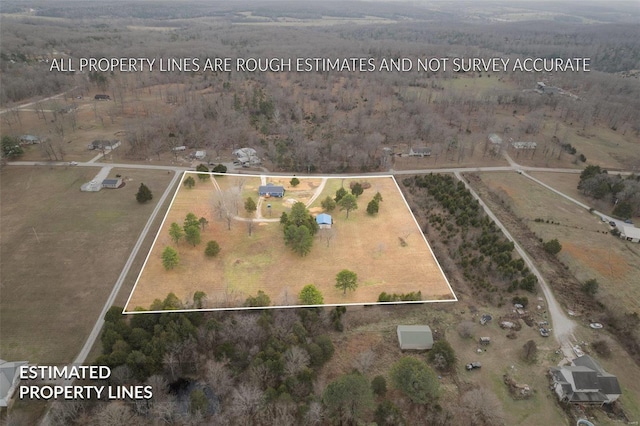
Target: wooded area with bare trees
[[322, 121]]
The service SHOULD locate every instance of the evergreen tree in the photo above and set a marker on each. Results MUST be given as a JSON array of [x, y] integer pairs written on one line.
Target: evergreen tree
[[144, 194], [212, 249], [357, 189], [346, 280], [169, 258], [189, 182], [373, 207]]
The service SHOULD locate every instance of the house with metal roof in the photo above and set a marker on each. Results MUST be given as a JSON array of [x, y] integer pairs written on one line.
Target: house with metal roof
[[630, 233], [585, 382], [415, 337], [112, 183], [324, 221], [271, 190]]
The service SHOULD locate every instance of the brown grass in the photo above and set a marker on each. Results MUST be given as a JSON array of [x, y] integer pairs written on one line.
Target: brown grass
[[366, 245], [589, 250], [53, 285]]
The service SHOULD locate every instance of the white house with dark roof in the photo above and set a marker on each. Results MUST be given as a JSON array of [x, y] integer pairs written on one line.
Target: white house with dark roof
[[585, 382]]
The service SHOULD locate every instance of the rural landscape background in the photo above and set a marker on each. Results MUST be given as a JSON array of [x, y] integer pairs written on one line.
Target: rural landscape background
[[533, 224]]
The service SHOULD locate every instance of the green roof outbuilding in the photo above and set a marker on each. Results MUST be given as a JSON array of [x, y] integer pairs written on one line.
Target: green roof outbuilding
[[415, 337]]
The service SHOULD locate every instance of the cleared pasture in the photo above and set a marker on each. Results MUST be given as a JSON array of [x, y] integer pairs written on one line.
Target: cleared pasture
[[367, 245]]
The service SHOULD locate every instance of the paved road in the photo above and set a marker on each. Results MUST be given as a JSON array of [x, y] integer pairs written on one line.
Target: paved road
[[82, 356], [388, 173], [563, 326]]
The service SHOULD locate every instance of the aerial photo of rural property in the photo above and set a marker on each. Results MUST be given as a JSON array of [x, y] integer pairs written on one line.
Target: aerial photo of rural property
[[319, 213], [260, 247]]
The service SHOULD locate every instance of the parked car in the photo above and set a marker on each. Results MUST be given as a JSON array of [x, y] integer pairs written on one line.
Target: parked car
[[73, 163], [612, 223], [544, 332], [473, 365], [628, 221]]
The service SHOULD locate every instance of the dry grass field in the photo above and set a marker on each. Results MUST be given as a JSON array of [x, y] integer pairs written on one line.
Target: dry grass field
[[369, 246], [600, 145], [62, 251], [587, 247]]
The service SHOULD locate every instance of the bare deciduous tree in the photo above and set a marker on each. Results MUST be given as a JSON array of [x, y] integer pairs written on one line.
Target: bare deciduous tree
[[246, 402], [296, 360], [115, 413], [482, 408], [218, 377], [364, 361], [465, 329], [315, 414]]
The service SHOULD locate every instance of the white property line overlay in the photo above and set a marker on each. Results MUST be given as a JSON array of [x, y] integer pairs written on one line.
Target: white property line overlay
[[179, 186]]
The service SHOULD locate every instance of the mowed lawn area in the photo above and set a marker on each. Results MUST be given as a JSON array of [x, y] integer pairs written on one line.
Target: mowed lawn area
[[367, 245], [587, 247], [61, 254]]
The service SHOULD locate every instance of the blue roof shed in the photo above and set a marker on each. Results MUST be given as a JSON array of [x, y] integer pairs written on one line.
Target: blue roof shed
[[324, 219]]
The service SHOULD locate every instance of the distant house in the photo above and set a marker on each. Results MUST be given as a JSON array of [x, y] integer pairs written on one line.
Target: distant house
[[420, 152], [585, 382], [179, 148], [246, 156], [29, 140], [630, 233], [271, 190], [524, 145], [112, 183], [101, 144], [8, 379], [324, 221], [415, 337], [547, 90], [495, 139], [200, 155], [102, 97]]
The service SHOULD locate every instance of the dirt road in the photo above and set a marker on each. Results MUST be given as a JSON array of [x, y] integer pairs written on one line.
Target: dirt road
[[563, 326]]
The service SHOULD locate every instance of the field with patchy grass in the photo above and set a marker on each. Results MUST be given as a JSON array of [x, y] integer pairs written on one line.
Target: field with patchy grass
[[588, 249], [368, 245], [62, 251]]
